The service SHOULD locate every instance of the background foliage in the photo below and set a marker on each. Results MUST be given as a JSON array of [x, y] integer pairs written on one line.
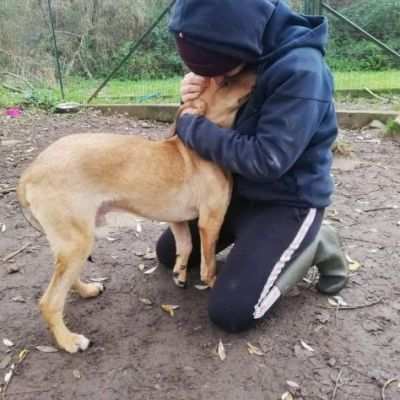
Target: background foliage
[[94, 34]]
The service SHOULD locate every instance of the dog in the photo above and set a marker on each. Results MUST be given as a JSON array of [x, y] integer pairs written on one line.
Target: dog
[[70, 187]]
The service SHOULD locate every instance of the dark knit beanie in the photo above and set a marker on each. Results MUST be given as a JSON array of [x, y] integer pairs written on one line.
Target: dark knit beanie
[[202, 61]]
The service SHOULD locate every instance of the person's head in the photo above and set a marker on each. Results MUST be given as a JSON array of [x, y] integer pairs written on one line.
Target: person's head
[[214, 37], [208, 63]]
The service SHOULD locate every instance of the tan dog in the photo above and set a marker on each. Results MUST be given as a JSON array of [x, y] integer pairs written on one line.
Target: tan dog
[[67, 191]]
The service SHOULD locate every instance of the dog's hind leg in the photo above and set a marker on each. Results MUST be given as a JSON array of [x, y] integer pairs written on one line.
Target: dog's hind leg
[[183, 244], [71, 246]]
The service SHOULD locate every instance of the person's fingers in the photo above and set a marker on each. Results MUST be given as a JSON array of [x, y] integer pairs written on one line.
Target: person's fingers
[[194, 85], [193, 79], [191, 89], [190, 96]]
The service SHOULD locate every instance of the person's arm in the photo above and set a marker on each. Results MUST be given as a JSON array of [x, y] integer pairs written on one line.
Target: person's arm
[[284, 130]]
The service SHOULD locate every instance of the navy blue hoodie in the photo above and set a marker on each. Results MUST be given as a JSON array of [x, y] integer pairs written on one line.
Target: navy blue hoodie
[[280, 147]]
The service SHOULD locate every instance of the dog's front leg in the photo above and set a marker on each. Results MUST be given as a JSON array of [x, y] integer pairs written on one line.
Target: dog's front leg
[[210, 223], [183, 244]]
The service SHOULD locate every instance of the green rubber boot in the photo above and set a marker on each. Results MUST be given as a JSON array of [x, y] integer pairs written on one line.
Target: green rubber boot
[[326, 253]]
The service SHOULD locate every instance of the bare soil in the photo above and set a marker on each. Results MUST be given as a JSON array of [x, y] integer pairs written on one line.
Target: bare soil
[[141, 352]]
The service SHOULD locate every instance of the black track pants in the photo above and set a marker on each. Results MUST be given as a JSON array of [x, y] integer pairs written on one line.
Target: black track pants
[[266, 238]]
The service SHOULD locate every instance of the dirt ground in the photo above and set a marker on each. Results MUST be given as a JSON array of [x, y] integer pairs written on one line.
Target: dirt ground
[[141, 352]]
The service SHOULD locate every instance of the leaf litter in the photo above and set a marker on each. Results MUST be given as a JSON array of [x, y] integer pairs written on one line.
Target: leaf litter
[[353, 264], [254, 350], [148, 302], [46, 349], [151, 270], [169, 308], [8, 342], [221, 351], [307, 346]]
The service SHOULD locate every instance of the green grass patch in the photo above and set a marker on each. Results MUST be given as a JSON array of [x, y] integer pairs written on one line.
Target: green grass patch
[[374, 80], [393, 128], [167, 90]]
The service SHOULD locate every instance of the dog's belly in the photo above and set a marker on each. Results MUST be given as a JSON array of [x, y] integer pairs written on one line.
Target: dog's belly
[[122, 213]]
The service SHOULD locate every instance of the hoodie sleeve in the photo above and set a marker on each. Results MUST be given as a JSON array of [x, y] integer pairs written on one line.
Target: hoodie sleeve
[[284, 130]]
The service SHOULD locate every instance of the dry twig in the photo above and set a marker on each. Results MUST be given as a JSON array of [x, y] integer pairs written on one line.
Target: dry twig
[[381, 209], [338, 307], [387, 384], [377, 96], [337, 384], [16, 252]]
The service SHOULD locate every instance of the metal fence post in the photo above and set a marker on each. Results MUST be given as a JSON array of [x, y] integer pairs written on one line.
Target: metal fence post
[[312, 7], [56, 53]]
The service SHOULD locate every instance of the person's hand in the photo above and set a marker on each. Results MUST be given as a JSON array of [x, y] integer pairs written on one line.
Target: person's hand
[[192, 86]]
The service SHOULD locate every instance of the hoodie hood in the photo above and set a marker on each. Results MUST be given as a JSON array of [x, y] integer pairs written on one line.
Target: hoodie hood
[[254, 31]]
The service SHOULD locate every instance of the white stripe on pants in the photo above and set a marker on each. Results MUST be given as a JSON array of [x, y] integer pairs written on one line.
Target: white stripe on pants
[[270, 294]]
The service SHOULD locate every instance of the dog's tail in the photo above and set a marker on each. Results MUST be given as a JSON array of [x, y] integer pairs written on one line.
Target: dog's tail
[[25, 206]]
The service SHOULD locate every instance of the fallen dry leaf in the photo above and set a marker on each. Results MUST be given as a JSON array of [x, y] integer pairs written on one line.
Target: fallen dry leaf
[[47, 349], [169, 308], [76, 374], [353, 264], [336, 301], [8, 342], [139, 227], [306, 346], [151, 270], [254, 350], [293, 385], [221, 351], [18, 299], [340, 300], [22, 355], [111, 239], [3, 228], [287, 396], [148, 302], [332, 302], [141, 267], [8, 375]]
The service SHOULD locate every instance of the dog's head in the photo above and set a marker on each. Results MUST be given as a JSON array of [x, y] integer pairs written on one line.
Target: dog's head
[[220, 103]]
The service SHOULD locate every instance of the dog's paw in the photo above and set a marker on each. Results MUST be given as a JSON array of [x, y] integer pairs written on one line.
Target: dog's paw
[[97, 288], [208, 281], [89, 290], [178, 280], [73, 343]]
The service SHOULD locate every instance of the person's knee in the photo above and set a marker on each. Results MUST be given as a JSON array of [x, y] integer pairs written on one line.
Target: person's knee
[[230, 317], [165, 249]]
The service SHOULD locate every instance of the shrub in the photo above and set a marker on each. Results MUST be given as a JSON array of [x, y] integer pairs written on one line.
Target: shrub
[[349, 50]]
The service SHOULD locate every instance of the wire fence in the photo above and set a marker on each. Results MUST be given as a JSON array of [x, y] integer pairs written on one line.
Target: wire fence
[[94, 37]]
